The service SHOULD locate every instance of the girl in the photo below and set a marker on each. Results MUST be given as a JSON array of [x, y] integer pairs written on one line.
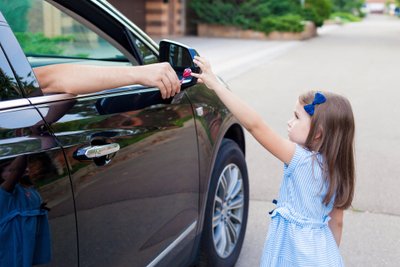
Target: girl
[[318, 183]]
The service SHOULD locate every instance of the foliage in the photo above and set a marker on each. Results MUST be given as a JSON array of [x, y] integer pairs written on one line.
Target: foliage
[[285, 23], [7, 86], [344, 17], [37, 43], [264, 15], [349, 6], [214, 13], [317, 11], [283, 7], [15, 12]]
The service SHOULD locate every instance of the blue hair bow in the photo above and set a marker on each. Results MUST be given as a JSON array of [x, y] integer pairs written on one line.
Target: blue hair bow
[[319, 98]]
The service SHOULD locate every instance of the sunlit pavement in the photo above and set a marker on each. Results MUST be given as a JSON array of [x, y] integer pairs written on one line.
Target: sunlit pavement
[[359, 60]]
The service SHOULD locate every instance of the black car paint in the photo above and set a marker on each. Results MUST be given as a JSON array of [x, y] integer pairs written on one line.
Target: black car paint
[[82, 207]]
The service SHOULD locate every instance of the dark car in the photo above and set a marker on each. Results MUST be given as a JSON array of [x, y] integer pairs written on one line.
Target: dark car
[[120, 177]]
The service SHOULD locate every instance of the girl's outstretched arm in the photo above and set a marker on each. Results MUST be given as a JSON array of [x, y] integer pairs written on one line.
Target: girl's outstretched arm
[[336, 224], [280, 147]]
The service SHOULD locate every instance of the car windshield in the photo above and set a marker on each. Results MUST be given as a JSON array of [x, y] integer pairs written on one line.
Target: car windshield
[[44, 31]]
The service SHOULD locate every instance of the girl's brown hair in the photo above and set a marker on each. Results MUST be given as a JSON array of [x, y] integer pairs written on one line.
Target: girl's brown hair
[[332, 134]]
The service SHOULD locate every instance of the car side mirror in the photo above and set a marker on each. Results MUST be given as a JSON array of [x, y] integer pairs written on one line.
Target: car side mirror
[[180, 57]]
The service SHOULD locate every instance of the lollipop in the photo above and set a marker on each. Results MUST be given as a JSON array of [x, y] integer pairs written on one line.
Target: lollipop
[[186, 74]]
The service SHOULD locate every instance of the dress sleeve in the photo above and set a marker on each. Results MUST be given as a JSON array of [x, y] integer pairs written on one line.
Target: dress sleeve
[[298, 154]]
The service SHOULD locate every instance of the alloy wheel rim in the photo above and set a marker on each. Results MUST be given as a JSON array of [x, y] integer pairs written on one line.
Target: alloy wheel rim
[[228, 210]]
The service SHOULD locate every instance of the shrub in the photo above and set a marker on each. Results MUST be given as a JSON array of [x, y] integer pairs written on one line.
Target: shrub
[[37, 43], [344, 17], [349, 6], [317, 11], [285, 23], [15, 12], [217, 12], [265, 15], [283, 7]]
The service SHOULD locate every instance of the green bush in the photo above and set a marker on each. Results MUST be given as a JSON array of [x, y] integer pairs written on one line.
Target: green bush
[[268, 15], [217, 12], [317, 11], [37, 43], [285, 23], [344, 17], [15, 12], [349, 6]]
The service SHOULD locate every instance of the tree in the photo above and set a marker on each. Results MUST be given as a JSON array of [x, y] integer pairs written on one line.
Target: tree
[[317, 10], [15, 12], [351, 6]]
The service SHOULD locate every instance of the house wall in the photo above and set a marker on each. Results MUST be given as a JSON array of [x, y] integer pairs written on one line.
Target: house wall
[[156, 17], [135, 10]]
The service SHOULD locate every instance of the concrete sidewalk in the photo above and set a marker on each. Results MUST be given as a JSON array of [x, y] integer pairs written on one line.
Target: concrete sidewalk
[[231, 57], [359, 60]]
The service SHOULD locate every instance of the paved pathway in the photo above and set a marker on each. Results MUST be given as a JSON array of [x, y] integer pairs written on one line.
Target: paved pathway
[[360, 60]]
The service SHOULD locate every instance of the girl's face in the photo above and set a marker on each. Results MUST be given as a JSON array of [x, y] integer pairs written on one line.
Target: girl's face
[[299, 125]]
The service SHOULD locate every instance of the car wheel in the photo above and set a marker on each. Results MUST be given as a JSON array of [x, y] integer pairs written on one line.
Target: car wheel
[[227, 208]]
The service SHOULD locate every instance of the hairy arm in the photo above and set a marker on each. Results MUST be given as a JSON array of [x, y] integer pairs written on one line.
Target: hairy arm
[[280, 147], [82, 79], [336, 224]]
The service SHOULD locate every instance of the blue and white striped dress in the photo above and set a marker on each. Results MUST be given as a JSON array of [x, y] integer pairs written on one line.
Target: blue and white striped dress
[[299, 234]]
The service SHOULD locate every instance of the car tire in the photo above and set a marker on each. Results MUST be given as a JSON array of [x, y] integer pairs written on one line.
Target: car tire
[[227, 207]]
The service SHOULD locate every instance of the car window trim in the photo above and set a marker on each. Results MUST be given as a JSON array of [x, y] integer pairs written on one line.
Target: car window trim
[[131, 40], [7, 70], [125, 90], [14, 103], [23, 72], [139, 34]]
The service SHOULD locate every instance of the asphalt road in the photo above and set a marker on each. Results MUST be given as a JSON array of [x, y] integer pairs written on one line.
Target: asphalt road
[[359, 60]]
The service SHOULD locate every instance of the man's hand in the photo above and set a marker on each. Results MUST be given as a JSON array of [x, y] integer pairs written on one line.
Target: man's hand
[[161, 75]]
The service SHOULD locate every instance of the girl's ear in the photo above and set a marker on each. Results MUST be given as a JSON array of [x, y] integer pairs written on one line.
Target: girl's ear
[[319, 134]]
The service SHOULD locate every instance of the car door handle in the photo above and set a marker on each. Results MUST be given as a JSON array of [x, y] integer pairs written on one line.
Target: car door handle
[[91, 152]]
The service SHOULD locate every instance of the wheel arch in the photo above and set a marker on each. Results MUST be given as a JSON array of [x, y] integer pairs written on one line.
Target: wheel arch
[[232, 130], [235, 133], [225, 143]]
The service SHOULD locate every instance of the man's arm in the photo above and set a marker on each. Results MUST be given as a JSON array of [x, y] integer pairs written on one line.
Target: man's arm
[[83, 79]]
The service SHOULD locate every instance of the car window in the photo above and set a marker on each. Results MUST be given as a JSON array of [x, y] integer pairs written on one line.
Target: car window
[[8, 85], [147, 55], [44, 31]]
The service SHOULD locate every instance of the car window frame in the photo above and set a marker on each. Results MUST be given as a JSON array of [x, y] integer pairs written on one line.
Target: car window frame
[[24, 66], [7, 72], [110, 24], [17, 61]]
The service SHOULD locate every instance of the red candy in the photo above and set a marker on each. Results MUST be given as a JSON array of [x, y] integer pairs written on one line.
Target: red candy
[[186, 73]]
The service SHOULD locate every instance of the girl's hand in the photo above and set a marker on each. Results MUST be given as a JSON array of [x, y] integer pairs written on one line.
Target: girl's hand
[[206, 76]]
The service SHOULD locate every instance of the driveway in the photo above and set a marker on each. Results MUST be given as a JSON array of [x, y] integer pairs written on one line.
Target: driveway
[[359, 60]]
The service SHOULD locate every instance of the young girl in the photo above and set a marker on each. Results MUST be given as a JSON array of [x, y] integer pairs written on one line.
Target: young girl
[[318, 183]]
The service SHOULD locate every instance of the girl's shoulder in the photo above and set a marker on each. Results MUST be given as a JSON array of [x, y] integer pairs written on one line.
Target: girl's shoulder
[[303, 158]]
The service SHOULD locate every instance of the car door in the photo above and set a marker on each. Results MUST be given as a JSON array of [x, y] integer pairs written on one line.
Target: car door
[[133, 161], [134, 200], [35, 184]]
